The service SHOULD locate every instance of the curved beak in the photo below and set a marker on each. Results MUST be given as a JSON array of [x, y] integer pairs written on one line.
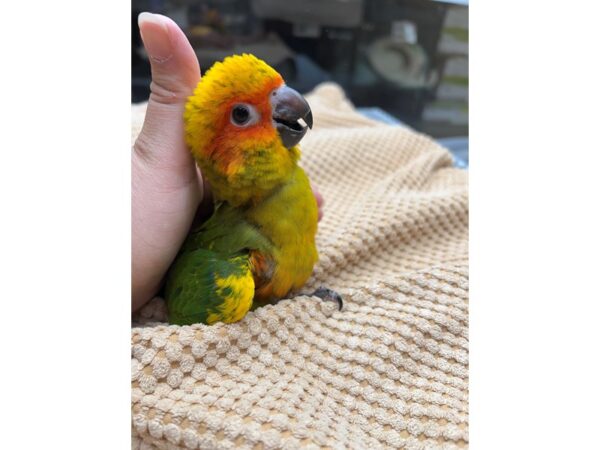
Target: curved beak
[[291, 115]]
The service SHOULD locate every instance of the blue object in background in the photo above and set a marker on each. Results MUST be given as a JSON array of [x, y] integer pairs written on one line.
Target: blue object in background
[[458, 146], [380, 115]]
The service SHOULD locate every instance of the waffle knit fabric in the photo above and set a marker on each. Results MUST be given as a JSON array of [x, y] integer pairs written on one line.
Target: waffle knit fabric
[[388, 371]]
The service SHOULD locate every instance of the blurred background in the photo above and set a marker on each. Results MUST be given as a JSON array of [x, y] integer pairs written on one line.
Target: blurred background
[[401, 62]]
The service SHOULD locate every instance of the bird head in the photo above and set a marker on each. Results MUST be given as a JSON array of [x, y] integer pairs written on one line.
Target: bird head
[[243, 125]]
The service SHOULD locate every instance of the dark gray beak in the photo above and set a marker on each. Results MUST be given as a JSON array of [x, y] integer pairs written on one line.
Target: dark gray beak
[[289, 111]]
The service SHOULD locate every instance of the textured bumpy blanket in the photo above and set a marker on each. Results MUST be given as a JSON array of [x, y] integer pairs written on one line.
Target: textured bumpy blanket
[[388, 371]]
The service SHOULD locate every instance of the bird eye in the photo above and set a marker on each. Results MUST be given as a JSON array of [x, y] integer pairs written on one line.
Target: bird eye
[[244, 115], [240, 114]]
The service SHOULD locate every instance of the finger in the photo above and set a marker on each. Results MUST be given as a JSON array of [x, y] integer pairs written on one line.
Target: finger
[[175, 74], [206, 206], [319, 198], [204, 187], [174, 65]]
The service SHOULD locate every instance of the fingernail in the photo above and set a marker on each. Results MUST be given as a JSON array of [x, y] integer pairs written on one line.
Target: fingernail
[[155, 34]]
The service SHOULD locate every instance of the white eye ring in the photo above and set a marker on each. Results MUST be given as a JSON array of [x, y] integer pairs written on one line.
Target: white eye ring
[[243, 115]]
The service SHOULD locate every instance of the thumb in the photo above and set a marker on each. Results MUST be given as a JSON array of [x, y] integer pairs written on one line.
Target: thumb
[[175, 74]]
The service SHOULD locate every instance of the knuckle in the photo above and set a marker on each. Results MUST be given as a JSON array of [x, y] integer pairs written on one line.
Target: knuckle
[[160, 93]]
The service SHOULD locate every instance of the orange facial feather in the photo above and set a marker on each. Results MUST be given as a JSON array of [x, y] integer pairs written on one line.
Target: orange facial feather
[[241, 163]]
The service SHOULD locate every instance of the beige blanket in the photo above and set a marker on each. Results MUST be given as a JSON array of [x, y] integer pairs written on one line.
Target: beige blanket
[[388, 371]]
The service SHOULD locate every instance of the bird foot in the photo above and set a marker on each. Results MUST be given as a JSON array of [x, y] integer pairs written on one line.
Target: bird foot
[[329, 295]]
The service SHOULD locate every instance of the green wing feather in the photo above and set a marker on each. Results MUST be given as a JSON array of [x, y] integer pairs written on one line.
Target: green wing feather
[[211, 278], [227, 232]]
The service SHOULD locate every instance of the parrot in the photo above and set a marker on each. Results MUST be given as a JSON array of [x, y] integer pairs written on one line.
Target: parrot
[[242, 126]]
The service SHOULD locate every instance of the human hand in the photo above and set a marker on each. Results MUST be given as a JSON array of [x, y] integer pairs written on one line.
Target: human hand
[[167, 187]]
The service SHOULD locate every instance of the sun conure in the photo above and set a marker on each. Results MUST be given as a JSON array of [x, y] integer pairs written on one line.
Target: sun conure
[[242, 125]]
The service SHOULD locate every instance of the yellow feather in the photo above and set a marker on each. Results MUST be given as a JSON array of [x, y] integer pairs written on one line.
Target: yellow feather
[[237, 292], [251, 168], [289, 218], [241, 164]]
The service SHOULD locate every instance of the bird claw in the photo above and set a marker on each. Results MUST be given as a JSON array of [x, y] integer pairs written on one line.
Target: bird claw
[[329, 295]]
